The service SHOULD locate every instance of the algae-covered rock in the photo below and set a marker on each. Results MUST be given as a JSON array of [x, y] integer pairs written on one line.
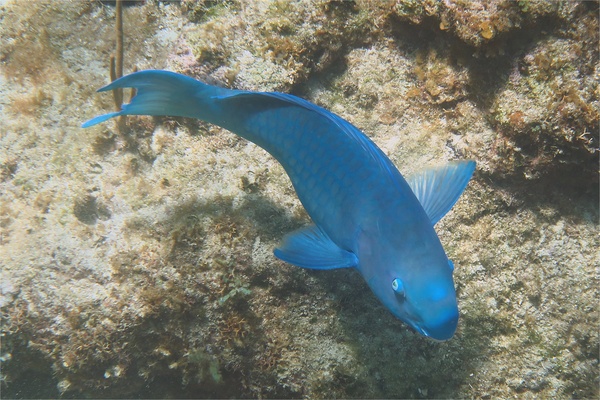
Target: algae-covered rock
[[479, 23], [137, 260], [548, 109], [531, 65], [273, 45]]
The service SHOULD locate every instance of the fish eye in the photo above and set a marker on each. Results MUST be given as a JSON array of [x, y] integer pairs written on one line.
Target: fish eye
[[398, 287]]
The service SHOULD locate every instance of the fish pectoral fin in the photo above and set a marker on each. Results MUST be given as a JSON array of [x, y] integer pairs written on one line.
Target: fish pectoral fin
[[311, 248], [439, 188]]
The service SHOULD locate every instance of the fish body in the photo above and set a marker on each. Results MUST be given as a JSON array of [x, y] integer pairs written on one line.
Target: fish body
[[365, 214]]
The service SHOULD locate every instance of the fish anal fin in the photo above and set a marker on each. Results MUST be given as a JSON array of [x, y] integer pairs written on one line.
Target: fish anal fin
[[311, 248]]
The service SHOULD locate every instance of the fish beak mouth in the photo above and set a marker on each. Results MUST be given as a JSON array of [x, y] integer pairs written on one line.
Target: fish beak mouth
[[436, 336], [432, 338], [438, 332], [443, 331], [421, 331]]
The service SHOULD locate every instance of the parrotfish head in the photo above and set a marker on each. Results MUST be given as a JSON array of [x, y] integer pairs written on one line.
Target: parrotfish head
[[424, 298]]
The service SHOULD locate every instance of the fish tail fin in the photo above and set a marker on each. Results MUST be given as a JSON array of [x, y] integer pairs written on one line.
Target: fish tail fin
[[162, 93]]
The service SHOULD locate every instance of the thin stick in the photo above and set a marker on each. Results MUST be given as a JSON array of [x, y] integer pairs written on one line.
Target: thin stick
[[116, 63], [119, 56], [119, 32], [113, 77]]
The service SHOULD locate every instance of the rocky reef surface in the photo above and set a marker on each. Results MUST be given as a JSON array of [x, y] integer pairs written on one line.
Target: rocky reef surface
[[137, 259]]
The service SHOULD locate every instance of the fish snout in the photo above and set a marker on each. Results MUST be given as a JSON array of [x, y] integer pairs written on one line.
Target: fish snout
[[442, 329]]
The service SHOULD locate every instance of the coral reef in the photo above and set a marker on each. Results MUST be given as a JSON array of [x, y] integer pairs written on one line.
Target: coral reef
[[139, 263], [273, 45], [539, 67]]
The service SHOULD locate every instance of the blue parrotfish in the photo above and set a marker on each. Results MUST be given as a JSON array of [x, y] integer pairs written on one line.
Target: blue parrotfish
[[365, 214]]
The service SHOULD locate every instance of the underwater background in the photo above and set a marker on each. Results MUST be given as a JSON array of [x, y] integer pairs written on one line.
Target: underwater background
[[136, 257]]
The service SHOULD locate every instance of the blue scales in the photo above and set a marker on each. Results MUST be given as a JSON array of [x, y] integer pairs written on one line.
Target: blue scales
[[365, 214]]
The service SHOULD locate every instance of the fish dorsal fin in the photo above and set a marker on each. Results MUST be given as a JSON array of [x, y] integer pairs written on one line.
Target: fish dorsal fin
[[311, 248], [439, 188]]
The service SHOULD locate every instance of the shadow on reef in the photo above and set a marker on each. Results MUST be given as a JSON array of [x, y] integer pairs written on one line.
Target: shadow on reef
[[557, 143], [33, 382], [203, 334], [218, 337], [490, 66], [394, 361], [563, 188]]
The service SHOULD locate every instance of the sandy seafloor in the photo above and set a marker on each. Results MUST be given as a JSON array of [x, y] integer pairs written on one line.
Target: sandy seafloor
[[138, 262]]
